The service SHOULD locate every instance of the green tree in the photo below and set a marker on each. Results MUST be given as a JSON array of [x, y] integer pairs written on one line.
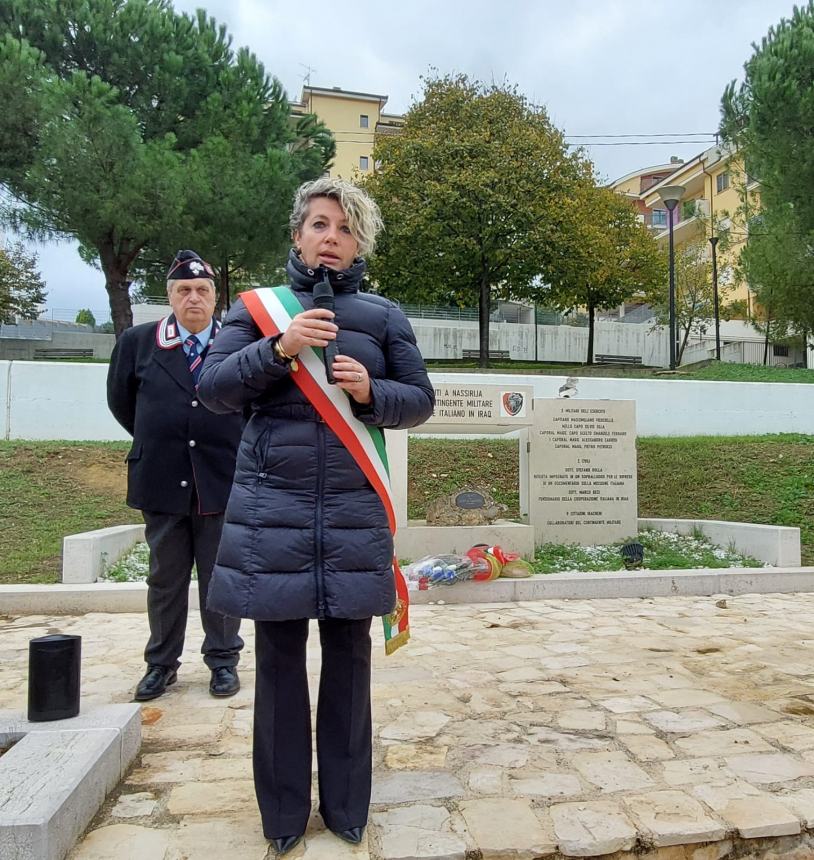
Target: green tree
[[606, 256], [85, 317], [770, 118], [22, 289], [474, 193], [778, 268], [125, 118], [694, 297]]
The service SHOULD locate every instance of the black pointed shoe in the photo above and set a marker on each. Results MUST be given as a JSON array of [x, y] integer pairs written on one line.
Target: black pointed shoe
[[284, 844], [224, 682], [352, 834], [154, 683]]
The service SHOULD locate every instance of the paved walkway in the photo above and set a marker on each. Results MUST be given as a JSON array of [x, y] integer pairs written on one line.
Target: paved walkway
[[582, 727]]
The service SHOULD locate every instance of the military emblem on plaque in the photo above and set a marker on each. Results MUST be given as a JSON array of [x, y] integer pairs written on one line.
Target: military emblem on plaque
[[512, 404]]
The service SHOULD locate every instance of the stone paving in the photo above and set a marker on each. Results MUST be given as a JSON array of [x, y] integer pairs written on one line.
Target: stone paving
[[677, 728]]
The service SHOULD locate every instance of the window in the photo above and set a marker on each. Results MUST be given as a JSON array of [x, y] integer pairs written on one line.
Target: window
[[722, 182], [780, 350], [363, 120], [659, 218], [363, 161]]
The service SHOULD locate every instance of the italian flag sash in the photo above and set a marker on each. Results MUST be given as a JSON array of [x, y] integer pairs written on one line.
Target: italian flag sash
[[272, 309]]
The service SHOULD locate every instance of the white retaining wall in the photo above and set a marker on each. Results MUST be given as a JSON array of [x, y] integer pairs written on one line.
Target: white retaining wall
[[447, 339], [54, 400]]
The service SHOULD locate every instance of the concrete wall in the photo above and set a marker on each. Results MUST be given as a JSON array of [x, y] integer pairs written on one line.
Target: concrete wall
[[53, 400], [56, 400], [22, 349], [448, 338]]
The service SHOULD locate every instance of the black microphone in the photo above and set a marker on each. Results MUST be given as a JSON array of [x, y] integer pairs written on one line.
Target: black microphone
[[324, 298]]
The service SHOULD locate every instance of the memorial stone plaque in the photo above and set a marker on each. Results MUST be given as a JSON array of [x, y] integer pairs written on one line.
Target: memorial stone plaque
[[583, 483], [491, 405]]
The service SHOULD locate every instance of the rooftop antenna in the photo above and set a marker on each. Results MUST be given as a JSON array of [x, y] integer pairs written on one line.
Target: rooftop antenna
[[306, 78]]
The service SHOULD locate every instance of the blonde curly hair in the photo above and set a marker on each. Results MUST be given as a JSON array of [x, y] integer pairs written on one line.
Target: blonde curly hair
[[364, 218]]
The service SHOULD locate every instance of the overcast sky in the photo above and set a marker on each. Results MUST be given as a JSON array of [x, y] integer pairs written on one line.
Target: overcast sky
[[601, 68]]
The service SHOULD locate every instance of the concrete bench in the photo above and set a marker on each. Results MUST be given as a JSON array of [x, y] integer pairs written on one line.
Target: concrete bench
[[618, 359], [63, 353], [501, 354], [58, 774]]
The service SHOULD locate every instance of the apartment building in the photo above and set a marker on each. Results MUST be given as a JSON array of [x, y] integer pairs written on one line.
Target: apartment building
[[355, 119], [716, 189]]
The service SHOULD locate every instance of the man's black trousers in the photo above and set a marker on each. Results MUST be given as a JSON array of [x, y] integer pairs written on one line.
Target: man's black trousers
[[282, 725], [177, 541]]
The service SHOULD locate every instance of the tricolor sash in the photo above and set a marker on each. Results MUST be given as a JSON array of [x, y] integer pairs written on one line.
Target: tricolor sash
[[272, 309]]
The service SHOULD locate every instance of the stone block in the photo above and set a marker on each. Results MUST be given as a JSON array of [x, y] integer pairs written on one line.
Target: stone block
[[236, 837], [546, 785], [507, 829], [647, 748], [764, 769], [674, 818], [775, 545], [51, 786], [85, 556], [212, 798], [420, 832], [123, 718], [591, 828], [415, 757], [723, 743], [754, 813], [684, 722], [415, 726], [124, 842], [58, 774], [142, 804], [611, 771], [744, 713], [407, 786]]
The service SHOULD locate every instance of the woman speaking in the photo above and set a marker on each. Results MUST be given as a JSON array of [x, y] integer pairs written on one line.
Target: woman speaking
[[306, 534]]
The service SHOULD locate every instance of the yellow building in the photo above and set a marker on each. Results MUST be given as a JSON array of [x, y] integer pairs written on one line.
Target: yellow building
[[714, 187], [354, 119]]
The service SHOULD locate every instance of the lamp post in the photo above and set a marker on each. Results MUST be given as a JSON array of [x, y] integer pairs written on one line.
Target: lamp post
[[670, 196], [713, 240]]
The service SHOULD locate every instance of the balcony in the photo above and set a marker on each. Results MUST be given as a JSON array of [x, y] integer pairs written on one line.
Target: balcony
[[692, 213]]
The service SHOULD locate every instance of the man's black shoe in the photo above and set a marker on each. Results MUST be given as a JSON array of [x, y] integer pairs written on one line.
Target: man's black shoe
[[225, 682], [283, 844], [153, 684], [352, 834]]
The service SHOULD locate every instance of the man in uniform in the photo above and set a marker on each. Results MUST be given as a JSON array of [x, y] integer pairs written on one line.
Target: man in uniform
[[180, 471]]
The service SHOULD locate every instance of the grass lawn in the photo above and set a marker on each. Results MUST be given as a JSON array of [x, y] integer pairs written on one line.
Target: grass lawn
[[713, 371], [51, 489], [761, 479]]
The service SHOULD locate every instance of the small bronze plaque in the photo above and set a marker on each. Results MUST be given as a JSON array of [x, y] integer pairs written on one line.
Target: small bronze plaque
[[470, 501]]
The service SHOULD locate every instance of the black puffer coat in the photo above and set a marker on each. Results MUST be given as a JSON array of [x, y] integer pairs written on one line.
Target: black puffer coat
[[306, 535]]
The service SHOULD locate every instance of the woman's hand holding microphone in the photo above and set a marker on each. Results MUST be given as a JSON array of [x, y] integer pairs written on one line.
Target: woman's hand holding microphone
[[315, 328]]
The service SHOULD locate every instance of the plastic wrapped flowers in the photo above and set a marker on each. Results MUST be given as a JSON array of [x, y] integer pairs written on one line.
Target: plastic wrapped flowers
[[481, 563]]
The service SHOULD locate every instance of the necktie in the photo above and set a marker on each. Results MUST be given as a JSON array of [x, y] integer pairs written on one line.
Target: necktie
[[194, 358]]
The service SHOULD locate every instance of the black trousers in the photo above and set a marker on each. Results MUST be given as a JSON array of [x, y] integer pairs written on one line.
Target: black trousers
[[177, 541], [282, 725]]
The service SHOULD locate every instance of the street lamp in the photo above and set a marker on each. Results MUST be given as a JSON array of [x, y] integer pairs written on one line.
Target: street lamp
[[670, 197], [713, 240]]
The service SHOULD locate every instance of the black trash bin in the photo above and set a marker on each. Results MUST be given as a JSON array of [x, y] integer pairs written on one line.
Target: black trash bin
[[53, 677]]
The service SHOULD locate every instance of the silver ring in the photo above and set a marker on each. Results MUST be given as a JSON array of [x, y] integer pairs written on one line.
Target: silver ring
[[358, 377]]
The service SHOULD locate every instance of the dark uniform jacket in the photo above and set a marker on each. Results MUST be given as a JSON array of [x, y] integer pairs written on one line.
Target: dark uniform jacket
[[179, 446], [305, 533]]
